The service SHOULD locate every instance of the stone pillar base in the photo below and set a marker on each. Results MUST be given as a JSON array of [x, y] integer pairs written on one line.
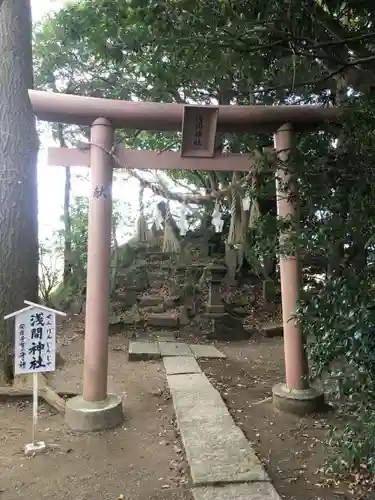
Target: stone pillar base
[[299, 402], [89, 416], [224, 327]]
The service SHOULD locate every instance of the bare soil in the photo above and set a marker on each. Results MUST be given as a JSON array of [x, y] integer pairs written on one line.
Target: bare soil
[[142, 460], [290, 447]]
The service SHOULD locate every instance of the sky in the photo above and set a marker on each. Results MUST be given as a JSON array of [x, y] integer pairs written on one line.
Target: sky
[[51, 180]]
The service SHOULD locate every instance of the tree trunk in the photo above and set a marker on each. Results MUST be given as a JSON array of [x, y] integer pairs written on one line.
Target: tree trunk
[[18, 171], [67, 228], [67, 220]]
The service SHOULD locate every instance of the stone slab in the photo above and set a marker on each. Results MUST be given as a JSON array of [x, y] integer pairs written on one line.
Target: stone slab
[[157, 284], [272, 330], [218, 452], [130, 320], [195, 399], [216, 449], [194, 385], [245, 491], [162, 320], [114, 320], [206, 351], [143, 351], [174, 349], [192, 415], [176, 365], [166, 337], [150, 300]]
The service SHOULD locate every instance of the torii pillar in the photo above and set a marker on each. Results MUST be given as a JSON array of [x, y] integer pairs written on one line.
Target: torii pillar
[[95, 409], [295, 395]]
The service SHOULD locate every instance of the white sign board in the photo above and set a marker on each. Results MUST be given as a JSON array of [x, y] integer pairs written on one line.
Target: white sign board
[[35, 340]]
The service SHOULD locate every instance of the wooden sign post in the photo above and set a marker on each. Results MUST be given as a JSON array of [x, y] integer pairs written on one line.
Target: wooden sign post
[[35, 352]]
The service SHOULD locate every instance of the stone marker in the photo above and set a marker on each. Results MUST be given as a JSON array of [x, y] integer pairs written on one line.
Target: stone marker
[[143, 351], [206, 351], [36, 448], [246, 491], [175, 365], [174, 349], [215, 304]]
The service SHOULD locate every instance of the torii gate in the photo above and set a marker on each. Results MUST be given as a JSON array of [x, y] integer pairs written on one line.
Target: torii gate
[[96, 409]]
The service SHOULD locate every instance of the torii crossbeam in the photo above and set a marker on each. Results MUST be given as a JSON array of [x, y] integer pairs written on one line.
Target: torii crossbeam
[[96, 409]]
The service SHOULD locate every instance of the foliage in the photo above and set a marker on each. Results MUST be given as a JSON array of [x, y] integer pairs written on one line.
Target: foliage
[[262, 242], [78, 237], [338, 315], [355, 444], [49, 273], [258, 54], [339, 323]]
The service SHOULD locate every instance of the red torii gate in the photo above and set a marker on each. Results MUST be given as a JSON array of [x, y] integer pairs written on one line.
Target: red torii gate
[[96, 409]]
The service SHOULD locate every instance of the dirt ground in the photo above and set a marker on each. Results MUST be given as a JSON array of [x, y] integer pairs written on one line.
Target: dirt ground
[[142, 460], [290, 447]]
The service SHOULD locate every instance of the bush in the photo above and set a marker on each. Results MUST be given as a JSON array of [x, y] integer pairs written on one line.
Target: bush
[[338, 321]]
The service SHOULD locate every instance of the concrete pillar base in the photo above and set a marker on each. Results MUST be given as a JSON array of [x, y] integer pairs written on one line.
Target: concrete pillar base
[[299, 402], [89, 416]]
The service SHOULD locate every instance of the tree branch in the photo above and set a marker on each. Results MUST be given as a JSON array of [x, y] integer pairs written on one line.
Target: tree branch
[[328, 76]]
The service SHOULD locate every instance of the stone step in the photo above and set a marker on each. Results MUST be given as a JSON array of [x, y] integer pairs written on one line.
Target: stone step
[[159, 266], [150, 300], [117, 323], [127, 297], [133, 286], [158, 256], [163, 320], [114, 320], [157, 285], [143, 351], [272, 330], [156, 276]]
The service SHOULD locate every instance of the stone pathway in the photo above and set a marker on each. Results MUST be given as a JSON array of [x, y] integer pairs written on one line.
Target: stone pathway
[[144, 350], [223, 465]]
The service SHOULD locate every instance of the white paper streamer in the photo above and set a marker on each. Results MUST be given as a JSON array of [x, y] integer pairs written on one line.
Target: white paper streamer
[[183, 221], [217, 220], [246, 202], [158, 220]]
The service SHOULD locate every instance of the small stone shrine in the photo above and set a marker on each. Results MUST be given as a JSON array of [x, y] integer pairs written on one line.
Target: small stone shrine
[[224, 325]]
